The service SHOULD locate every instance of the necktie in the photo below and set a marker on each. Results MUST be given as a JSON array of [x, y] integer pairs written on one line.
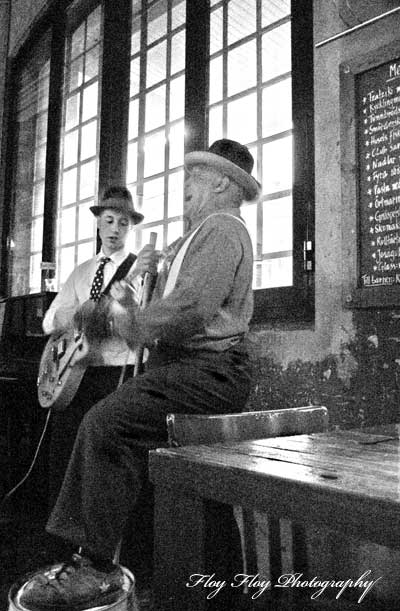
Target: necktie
[[97, 283]]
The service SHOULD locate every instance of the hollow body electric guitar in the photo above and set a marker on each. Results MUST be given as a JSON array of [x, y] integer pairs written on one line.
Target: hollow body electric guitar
[[66, 356]]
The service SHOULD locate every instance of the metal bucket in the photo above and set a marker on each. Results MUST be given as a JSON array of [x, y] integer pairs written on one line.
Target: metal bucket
[[126, 602]]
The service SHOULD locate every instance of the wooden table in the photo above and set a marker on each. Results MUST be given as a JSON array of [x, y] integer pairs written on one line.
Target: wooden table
[[346, 480]]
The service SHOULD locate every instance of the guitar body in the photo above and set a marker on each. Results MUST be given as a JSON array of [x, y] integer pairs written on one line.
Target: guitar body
[[62, 366]]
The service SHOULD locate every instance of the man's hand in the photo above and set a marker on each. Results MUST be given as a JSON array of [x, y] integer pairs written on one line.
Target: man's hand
[[147, 261]]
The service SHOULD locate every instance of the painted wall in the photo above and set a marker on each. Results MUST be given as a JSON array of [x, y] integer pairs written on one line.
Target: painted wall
[[346, 360]]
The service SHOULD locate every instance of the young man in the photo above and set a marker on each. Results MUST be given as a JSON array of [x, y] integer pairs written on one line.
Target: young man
[[196, 326], [116, 218]]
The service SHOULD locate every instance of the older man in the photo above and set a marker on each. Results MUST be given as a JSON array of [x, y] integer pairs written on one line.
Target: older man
[[196, 328]]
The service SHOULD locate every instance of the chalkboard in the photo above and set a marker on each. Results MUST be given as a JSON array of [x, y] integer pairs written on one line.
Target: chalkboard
[[377, 99]]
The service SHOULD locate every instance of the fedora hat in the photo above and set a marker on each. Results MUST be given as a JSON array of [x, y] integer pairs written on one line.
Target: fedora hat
[[120, 199], [231, 158]]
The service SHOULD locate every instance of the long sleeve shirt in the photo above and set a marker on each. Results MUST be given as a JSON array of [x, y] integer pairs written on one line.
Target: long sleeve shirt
[[75, 292], [211, 304]]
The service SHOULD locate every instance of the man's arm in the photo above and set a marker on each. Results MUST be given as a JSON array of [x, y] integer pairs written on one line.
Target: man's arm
[[60, 314], [204, 282]]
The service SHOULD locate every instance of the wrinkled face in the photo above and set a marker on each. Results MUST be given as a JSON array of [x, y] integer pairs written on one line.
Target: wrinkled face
[[199, 192], [114, 228]]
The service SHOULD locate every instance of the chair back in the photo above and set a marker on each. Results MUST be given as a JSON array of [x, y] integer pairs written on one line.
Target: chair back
[[189, 429]]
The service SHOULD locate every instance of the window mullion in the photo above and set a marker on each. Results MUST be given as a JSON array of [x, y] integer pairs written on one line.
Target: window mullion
[[197, 69], [115, 92]]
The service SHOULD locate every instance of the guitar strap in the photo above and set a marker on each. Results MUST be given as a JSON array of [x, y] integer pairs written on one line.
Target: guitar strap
[[121, 271]]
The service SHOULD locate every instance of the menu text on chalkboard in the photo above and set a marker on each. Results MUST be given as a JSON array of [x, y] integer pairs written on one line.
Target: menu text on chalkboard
[[378, 151]]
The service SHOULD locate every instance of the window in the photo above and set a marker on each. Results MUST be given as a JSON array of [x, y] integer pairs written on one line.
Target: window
[[29, 160], [250, 76], [76, 233], [133, 85], [156, 118]]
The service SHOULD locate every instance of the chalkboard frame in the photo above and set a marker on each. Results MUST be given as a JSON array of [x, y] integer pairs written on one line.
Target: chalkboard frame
[[354, 295]]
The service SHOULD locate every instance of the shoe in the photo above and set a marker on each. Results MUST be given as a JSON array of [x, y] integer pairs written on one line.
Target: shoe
[[72, 586]]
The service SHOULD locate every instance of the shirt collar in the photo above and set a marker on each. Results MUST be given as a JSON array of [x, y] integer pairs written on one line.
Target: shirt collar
[[116, 257]]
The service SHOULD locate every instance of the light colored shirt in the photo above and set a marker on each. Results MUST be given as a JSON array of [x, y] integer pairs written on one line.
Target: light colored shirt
[[211, 304], [74, 293]]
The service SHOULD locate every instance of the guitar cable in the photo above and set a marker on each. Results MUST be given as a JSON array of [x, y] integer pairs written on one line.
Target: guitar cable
[[29, 471]]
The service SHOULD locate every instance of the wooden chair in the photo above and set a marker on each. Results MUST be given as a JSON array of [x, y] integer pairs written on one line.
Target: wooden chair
[[188, 429]]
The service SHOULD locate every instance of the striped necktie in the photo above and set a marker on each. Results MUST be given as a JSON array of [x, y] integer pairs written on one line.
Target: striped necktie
[[98, 279]]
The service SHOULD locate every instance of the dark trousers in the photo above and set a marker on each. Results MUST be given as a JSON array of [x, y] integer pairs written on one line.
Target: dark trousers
[[109, 461], [97, 383]]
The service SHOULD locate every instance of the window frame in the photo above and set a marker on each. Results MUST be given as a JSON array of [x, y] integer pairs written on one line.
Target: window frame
[[285, 304]]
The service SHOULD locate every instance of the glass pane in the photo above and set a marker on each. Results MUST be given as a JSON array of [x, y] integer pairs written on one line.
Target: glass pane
[[153, 200], [277, 165], [93, 30], [249, 214], [133, 119], [175, 231], [92, 63], [72, 111], [89, 106], [178, 13], [216, 30], [67, 263], [154, 153], [75, 74], [85, 251], [215, 128], [242, 68], [78, 41], [277, 225], [35, 274], [71, 148], [88, 180], [135, 77], [40, 162], [89, 140], [273, 272], [216, 80], [157, 21], [41, 128], [178, 52], [156, 64], [272, 11], [176, 144], [276, 52], [136, 31], [69, 187], [28, 170], [175, 194], [131, 165], [177, 98], [241, 19], [38, 199], [86, 222], [242, 119], [277, 108], [155, 108], [67, 234], [37, 234]]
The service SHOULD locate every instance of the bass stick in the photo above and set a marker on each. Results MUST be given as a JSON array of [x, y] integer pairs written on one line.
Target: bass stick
[[149, 281]]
